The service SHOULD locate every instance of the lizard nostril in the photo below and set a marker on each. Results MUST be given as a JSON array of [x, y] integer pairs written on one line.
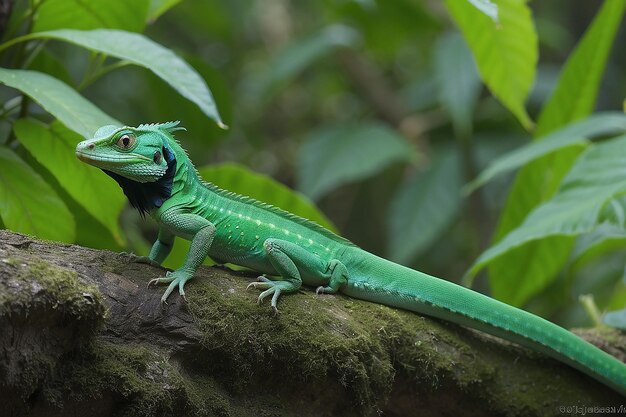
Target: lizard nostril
[[91, 146]]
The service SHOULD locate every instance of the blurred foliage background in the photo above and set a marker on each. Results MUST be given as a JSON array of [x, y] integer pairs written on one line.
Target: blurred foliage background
[[381, 114]]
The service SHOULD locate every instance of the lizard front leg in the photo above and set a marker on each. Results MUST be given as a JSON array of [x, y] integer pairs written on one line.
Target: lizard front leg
[[201, 233], [161, 247]]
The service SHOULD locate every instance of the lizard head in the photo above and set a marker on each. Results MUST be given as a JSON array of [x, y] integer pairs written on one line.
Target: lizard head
[[136, 154], [141, 159]]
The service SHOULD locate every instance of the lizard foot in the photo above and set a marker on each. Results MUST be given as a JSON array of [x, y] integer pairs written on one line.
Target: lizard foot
[[145, 260], [177, 278], [273, 288]]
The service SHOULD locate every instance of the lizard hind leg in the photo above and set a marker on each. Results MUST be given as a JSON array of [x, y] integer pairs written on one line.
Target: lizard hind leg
[[338, 277], [288, 259]]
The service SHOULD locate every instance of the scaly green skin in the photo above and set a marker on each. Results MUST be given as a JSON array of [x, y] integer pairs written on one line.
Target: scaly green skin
[[237, 229]]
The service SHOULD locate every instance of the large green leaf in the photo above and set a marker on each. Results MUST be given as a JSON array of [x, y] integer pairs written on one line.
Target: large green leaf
[[575, 134], [53, 147], [505, 51], [92, 14], [336, 155], [59, 99], [598, 176], [423, 207], [575, 94], [540, 179], [239, 179], [457, 80], [28, 204], [139, 50]]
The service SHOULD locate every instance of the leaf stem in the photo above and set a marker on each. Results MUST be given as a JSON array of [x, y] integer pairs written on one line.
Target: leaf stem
[[19, 55], [10, 106], [33, 54], [90, 78], [591, 308]]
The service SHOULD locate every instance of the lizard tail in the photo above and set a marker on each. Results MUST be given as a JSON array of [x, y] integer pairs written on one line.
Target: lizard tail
[[379, 280]]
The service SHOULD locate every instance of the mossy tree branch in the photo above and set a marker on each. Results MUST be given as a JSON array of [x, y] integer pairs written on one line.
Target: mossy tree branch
[[81, 332]]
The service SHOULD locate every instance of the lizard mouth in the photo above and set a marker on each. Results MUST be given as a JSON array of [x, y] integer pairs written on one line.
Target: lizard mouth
[[108, 160], [87, 152], [85, 157]]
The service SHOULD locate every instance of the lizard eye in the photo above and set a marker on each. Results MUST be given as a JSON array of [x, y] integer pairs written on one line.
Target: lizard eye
[[126, 141], [157, 158]]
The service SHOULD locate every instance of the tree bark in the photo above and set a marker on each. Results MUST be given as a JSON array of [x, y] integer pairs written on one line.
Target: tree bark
[[80, 334]]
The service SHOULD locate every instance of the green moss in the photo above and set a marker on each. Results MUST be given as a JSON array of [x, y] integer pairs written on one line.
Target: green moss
[[39, 284], [10, 260], [246, 344], [368, 348], [205, 396], [315, 340], [135, 381]]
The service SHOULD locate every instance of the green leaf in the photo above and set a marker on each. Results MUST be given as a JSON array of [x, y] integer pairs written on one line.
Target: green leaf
[[301, 53], [618, 295], [604, 238], [487, 7], [608, 236], [540, 179], [240, 180], [423, 207], [28, 204], [575, 94], [167, 106], [458, 81], [139, 50], [333, 156], [92, 14], [575, 134], [506, 52], [596, 177], [58, 99], [158, 7], [53, 147]]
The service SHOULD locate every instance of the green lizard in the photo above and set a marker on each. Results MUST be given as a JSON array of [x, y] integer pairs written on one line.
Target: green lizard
[[158, 178]]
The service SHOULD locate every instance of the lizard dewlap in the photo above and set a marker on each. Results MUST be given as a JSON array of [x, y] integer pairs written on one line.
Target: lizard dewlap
[[158, 178]]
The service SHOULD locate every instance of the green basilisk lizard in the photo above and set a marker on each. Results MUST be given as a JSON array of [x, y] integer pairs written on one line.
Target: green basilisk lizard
[[158, 178]]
